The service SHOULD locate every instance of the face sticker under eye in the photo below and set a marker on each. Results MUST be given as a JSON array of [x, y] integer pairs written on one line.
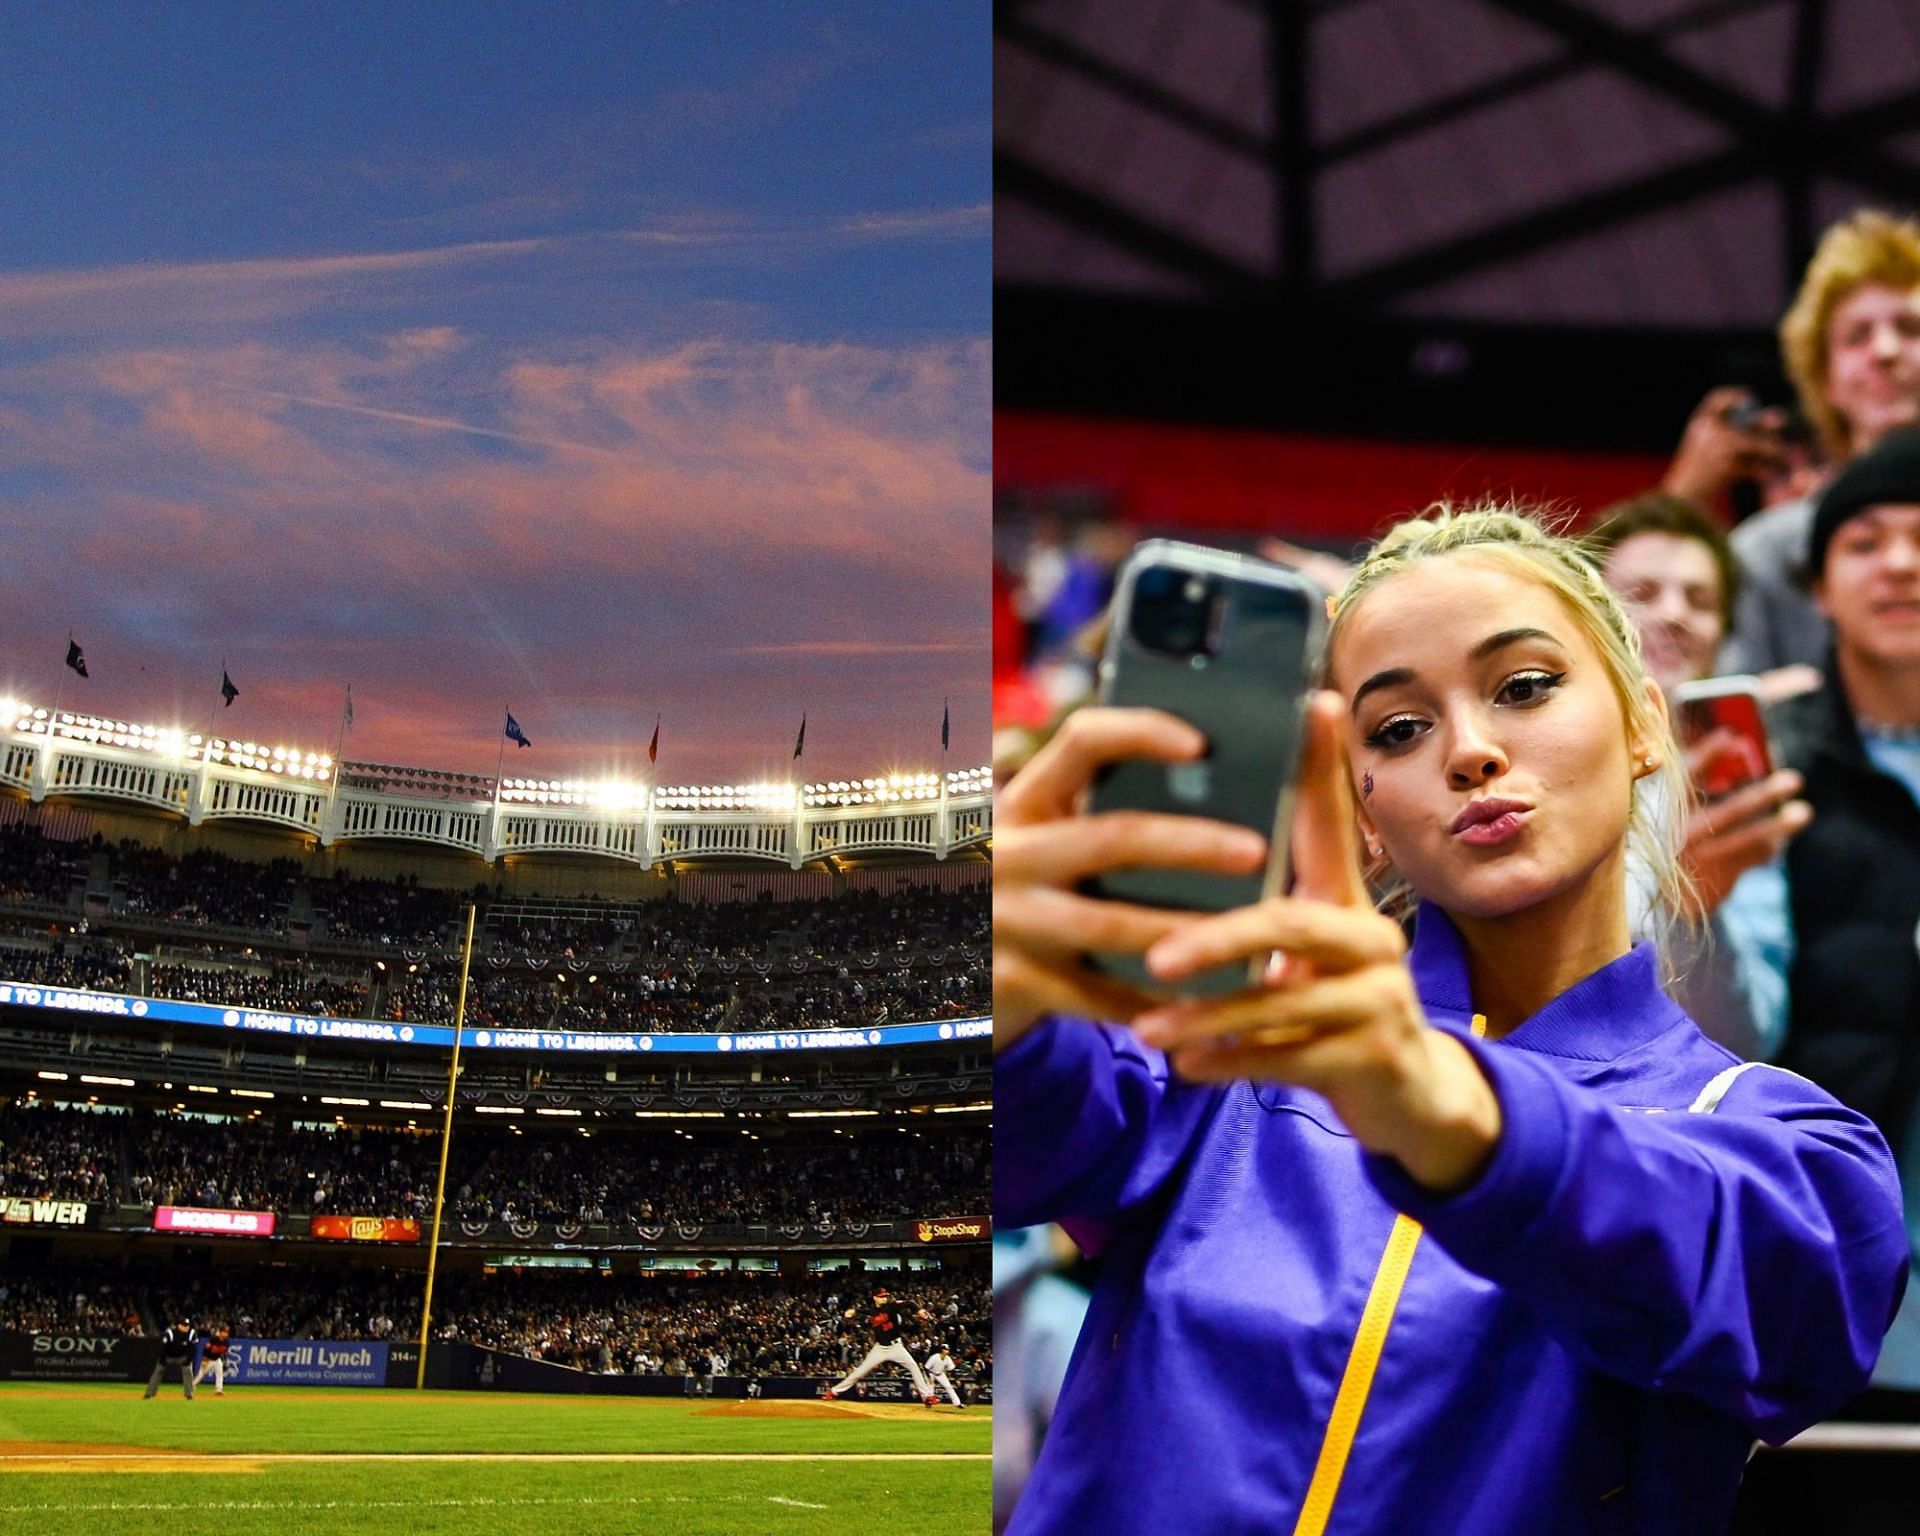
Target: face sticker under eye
[[1366, 785]]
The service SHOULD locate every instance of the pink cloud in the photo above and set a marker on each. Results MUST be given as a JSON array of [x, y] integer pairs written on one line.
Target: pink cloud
[[704, 529]]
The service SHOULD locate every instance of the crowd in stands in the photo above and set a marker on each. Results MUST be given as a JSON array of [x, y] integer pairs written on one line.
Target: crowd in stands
[[203, 887], [37, 869], [760, 1325], [290, 986], [395, 912], [861, 959], [94, 964], [248, 1165], [660, 1001], [71, 1300], [625, 1180], [847, 1180], [53, 1153]]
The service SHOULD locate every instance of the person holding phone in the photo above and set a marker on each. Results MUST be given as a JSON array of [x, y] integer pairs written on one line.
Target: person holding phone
[[1677, 580], [1851, 345], [1854, 874], [1478, 1235]]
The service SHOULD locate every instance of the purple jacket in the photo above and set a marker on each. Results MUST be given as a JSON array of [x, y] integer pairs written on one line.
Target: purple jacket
[[1671, 1255]]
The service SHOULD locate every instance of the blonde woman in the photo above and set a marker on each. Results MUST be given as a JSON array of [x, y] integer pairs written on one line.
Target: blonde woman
[[1481, 1235]]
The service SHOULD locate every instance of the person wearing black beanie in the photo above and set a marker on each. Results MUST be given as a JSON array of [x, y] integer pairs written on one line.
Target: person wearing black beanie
[[1853, 875], [1888, 475]]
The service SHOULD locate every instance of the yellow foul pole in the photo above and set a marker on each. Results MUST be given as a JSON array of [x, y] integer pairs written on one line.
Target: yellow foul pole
[[446, 1141]]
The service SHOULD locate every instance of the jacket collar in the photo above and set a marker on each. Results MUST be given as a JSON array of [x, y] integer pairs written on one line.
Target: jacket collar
[[1599, 1018]]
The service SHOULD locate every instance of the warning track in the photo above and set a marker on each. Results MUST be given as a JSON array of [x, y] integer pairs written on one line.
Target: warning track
[[253, 1461]]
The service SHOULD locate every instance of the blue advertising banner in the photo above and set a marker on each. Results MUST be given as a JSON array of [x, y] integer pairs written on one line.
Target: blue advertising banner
[[383, 1032], [308, 1362]]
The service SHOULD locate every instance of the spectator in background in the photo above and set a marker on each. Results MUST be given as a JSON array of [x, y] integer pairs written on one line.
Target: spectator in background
[[1677, 578], [1854, 875], [1851, 344]]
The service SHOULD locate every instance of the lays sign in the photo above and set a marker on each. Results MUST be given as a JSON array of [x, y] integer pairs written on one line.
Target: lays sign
[[367, 1229]]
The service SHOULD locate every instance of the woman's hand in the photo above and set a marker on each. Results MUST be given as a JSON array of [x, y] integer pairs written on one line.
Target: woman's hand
[[1044, 847], [1339, 1015]]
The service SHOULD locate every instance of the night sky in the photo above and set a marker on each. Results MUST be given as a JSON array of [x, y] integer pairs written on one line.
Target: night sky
[[597, 362]]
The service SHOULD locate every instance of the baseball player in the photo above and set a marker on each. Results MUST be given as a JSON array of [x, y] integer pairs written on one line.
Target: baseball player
[[888, 1322], [940, 1370], [214, 1360], [176, 1348]]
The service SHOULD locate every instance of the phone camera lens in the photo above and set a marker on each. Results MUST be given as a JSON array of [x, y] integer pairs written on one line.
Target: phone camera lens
[[1174, 611]]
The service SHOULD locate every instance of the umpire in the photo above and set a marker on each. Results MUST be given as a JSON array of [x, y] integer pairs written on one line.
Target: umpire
[[176, 1349]]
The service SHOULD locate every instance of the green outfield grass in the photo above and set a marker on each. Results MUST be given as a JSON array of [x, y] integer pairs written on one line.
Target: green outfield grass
[[127, 1465]]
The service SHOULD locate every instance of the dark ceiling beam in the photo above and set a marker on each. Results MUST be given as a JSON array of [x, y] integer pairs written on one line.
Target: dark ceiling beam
[[1864, 124], [1017, 177], [1641, 60], [1504, 87], [1803, 105], [1289, 55], [1554, 224], [1833, 147], [1132, 86]]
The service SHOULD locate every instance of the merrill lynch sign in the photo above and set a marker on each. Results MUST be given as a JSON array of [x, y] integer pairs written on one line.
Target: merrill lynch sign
[[17, 1211], [960, 1229]]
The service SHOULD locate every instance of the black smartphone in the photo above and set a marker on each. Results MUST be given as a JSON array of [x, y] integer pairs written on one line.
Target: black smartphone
[[1232, 645]]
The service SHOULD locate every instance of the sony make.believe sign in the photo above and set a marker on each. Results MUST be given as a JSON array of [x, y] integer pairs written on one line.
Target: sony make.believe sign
[[75, 1357], [309, 1362], [383, 1032]]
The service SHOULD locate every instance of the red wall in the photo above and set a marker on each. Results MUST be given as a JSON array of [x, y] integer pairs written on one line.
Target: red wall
[[1279, 483]]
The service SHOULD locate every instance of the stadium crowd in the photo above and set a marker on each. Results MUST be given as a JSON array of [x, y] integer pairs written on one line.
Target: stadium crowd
[[202, 888], [759, 1325], [861, 959], [37, 869], [290, 986], [53, 1153], [69, 1300], [177, 1159]]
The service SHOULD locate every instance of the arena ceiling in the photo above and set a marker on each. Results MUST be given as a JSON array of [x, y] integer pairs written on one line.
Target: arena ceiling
[[1590, 162]]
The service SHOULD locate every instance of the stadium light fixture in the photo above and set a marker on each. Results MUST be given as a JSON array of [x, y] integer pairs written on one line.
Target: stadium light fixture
[[106, 1082], [829, 1114], [200, 1088], [403, 1104], [327, 1098], [51, 1077], [252, 1093], [497, 1109], [569, 1113]]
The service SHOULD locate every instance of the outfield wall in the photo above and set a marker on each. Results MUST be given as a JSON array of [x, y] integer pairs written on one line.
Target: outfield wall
[[381, 1363]]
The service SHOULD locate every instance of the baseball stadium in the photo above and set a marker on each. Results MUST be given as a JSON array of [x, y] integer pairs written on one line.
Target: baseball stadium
[[430, 1150]]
